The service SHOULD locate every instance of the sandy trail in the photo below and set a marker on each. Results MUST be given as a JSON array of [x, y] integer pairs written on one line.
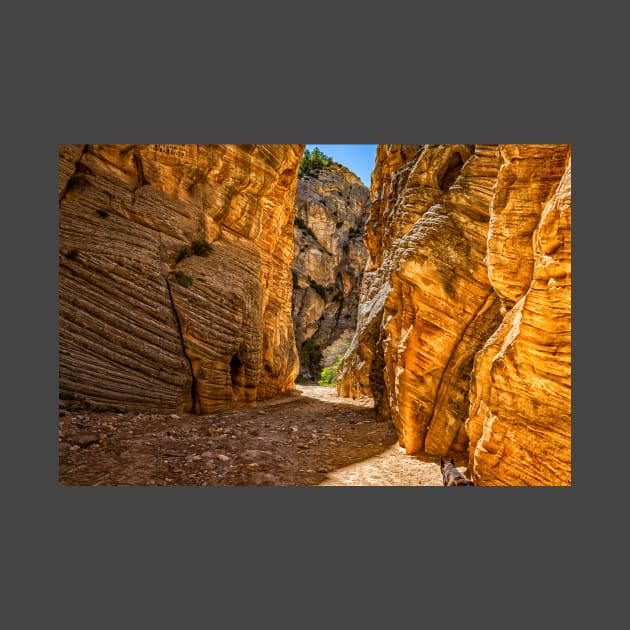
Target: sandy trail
[[307, 437]]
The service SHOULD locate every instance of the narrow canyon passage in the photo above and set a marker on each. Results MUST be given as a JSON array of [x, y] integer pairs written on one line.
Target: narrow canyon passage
[[307, 437], [199, 278]]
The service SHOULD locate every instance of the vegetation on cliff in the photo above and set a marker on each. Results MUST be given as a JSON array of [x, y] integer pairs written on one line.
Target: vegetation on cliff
[[313, 160]]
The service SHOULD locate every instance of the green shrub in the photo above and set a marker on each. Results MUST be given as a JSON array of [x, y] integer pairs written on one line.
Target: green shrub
[[328, 375], [184, 252], [200, 248], [196, 248], [183, 280]]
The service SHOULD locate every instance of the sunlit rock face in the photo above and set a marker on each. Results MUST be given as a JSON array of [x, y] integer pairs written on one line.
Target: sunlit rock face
[[520, 411], [332, 206], [175, 274], [460, 238]]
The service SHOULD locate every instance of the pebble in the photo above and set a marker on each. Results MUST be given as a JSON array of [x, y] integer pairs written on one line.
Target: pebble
[[252, 453], [86, 440]]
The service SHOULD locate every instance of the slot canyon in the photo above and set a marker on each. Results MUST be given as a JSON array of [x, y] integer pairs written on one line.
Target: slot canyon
[[205, 289]]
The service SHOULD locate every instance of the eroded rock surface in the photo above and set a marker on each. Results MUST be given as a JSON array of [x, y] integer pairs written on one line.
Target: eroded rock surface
[[520, 412], [468, 277], [332, 208], [175, 274]]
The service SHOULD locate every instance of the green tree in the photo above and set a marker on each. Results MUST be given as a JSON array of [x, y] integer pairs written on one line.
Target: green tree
[[313, 161]]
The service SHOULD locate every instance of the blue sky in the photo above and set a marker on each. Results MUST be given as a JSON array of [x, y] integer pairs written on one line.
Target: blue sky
[[359, 158]]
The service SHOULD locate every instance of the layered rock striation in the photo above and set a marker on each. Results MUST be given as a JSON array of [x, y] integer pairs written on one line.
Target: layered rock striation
[[175, 274], [332, 206], [519, 420], [463, 334]]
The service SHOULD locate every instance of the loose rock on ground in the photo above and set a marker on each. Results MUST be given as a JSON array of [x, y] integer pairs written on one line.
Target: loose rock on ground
[[307, 437]]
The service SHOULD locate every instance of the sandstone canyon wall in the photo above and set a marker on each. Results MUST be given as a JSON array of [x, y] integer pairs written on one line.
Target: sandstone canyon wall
[[332, 206], [175, 274], [464, 325]]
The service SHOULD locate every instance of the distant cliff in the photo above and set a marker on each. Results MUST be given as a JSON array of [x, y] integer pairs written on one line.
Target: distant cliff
[[332, 206], [464, 325], [175, 274]]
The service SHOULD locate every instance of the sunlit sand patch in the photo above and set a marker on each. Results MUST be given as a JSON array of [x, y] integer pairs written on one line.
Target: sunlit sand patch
[[392, 467]]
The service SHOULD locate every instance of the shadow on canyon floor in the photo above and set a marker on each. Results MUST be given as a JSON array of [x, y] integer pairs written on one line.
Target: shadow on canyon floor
[[307, 437]]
